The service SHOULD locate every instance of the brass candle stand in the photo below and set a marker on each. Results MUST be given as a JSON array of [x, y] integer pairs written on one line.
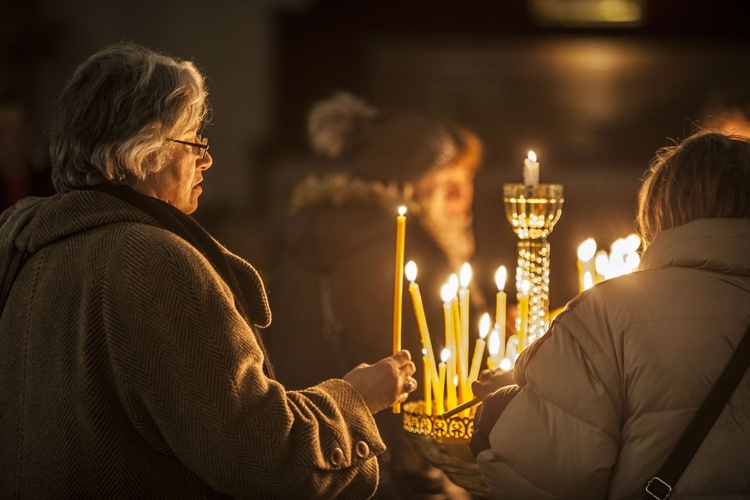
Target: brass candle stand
[[444, 443], [532, 212]]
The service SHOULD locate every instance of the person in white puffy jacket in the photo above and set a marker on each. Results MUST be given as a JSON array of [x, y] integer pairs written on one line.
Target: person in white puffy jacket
[[601, 399]]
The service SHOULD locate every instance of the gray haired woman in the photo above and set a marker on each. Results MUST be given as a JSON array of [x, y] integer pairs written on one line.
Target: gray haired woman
[[129, 337]]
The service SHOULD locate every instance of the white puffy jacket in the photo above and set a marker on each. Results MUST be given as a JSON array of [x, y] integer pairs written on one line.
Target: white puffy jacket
[[604, 396]]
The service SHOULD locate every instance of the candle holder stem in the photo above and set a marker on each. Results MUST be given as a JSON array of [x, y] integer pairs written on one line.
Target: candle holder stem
[[532, 212]]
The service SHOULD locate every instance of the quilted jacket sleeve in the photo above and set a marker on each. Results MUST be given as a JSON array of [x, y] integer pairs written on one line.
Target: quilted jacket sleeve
[[189, 372], [559, 435]]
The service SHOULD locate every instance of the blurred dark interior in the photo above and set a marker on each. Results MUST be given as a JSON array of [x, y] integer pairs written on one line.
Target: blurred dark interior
[[594, 87]]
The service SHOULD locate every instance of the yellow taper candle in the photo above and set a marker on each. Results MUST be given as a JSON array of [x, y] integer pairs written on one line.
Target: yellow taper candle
[[410, 270], [476, 361], [398, 285], [440, 393], [523, 315], [500, 307], [427, 387]]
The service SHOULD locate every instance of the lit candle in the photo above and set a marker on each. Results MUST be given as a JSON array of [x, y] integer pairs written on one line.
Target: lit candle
[[586, 252], [427, 384], [424, 334], [476, 361], [531, 170], [445, 355], [523, 314], [493, 349], [398, 285], [500, 307], [448, 293], [601, 264], [463, 306]]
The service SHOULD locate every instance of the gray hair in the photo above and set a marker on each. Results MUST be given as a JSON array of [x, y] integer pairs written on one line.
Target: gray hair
[[115, 112]]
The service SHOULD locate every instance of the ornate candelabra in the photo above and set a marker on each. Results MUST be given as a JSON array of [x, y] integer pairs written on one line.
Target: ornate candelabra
[[533, 211]]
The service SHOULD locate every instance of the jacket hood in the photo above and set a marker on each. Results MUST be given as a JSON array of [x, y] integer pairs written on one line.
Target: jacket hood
[[39, 222]]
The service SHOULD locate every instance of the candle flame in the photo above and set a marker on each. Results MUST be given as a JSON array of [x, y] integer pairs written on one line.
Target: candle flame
[[506, 364], [453, 282], [532, 156], [424, 352], [410, 270], [586, 250], [484, 325], [402, 210], [525, 287], [455, 380], [493, 347], [500, 276], [445, 354], [633, 241], [447, 293], [465, 277]]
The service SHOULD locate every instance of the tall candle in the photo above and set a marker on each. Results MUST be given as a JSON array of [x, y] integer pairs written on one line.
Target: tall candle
[[398, 285], [531, 170], [427, 384], [448, 293], [501, 303], [464, 279], [440, 393], [476, 361], [523, 314], [410, 270]]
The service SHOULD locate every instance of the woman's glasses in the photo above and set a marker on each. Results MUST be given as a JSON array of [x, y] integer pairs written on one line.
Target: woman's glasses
[[202, 146]]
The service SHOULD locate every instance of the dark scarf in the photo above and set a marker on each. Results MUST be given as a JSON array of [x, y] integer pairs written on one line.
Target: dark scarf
[[184, 226]]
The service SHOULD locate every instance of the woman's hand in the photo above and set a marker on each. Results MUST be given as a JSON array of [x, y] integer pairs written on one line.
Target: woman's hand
[[491, 380], [387, 382]]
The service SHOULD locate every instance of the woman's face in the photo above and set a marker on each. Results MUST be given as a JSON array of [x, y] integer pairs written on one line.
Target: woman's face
[[178, 183], [448, 192]]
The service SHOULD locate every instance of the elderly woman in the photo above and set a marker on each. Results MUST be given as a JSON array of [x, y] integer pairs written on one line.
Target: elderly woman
[[129, 340], [602, 398]]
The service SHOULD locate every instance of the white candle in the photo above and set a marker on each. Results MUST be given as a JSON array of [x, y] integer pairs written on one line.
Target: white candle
[[531, 170], [476, 362]]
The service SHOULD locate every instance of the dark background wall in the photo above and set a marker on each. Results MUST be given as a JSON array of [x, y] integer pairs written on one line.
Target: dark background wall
[[594, 102]]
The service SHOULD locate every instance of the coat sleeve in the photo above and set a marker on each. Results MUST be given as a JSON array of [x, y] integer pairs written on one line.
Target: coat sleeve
[[189, 372], [559, 435]]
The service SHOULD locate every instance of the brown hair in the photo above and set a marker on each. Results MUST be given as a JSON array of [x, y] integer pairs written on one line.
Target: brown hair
[[707, 175]]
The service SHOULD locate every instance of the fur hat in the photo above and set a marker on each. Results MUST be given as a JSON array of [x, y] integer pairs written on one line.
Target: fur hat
[[381, 146]]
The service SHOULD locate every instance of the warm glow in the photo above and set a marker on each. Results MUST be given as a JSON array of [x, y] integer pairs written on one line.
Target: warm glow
[[447, 293], [532, 156], [410, 269], [484, 325], [586, 250], [506, 364], [445, 354], [494, 345], [424, 352], [465, 278], [588, 280], [500, 276], [453, 282], [601, 264], [525, 287], [632, 242], [402, 210]]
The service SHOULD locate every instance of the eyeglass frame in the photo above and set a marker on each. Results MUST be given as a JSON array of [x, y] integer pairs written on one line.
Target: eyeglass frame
[[202, 147]]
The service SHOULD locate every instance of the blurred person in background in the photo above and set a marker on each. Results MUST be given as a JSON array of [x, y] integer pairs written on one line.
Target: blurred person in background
[[333, 283]]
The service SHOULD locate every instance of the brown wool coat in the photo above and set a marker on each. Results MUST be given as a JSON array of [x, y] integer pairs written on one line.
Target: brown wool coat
[[127, 372]]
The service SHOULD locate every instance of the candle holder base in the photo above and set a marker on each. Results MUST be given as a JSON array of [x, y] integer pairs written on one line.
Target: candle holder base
[[444, 443]]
